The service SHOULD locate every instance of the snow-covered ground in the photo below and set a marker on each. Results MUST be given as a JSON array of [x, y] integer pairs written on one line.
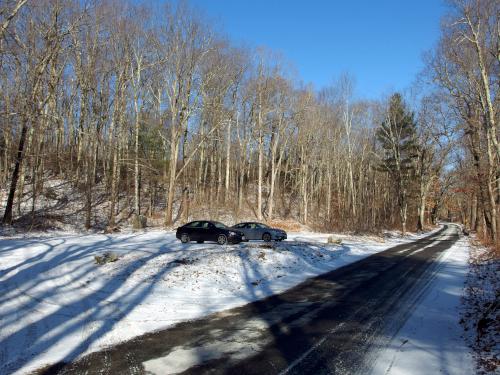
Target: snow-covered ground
[[481, 314], [56, 303], [431, 341]]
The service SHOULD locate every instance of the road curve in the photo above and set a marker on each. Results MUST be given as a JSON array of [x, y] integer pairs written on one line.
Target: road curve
[[331, 324]]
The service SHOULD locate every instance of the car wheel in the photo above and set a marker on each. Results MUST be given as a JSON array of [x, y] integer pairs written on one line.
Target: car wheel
[[185, 238], [266, 237], [221, 239], [200, 241]]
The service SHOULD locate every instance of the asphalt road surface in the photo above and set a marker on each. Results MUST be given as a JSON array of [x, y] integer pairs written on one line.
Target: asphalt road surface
[[331, 324]]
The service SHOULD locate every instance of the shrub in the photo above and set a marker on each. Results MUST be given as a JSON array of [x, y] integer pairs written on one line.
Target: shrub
[[333, 240], [108, 257], [50, 193]]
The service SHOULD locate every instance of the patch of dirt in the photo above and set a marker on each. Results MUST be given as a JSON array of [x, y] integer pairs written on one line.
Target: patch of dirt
[[266, 246], [183, 261]]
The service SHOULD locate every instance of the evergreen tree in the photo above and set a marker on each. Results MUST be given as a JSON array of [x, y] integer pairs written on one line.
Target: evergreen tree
[[397, 137]]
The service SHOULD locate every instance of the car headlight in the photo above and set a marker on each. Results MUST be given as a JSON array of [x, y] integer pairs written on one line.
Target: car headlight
[[231, 233]]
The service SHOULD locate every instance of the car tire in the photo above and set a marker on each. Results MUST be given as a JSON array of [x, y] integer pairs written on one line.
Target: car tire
[[266, 237], [221, 239], [185, 238], [200, 241]]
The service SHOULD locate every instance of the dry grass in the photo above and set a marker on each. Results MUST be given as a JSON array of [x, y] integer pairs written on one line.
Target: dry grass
[[157, 215], [486, 241], [287, 225], [108, 257], [333, 240]]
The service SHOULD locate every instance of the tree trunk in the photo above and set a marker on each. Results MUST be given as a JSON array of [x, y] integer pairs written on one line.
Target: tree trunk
[[174, 151], [260, 174], [228, 158], [137, 206], [7, 217], [421, 213]]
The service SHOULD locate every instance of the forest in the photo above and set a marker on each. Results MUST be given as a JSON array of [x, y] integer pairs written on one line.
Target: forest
[[148, 112]]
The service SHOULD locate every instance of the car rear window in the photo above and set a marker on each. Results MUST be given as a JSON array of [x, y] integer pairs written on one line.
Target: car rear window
[[219, 225]]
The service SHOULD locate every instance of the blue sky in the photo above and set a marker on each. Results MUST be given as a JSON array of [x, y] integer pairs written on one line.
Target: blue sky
[[379, 42]]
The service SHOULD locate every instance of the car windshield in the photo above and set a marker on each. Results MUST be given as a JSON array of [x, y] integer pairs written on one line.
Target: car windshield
[[219, 225]]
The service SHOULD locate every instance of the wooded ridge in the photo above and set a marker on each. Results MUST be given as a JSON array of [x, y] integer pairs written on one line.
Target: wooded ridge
[[151, 106]]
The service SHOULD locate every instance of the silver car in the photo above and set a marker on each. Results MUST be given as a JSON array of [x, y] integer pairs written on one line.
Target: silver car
[[259, 231]]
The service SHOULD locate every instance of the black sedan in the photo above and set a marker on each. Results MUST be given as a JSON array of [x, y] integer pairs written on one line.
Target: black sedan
[[201, 231]]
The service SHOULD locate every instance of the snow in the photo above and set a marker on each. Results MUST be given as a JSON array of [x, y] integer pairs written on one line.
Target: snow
[[481, 313], [431, 341], [56, 303]]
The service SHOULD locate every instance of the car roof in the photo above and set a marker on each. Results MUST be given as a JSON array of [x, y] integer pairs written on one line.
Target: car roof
[[197, 221]]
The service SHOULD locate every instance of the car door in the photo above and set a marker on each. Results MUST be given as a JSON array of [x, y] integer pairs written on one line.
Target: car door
[[261, 229], [250, 228], [204, 232], [193, 230], [212, 232]]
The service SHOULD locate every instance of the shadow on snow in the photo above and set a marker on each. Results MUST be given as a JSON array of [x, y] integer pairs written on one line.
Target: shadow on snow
[[341, 313]]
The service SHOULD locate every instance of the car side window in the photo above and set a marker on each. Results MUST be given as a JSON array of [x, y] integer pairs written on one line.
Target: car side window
[[205, 224], [194, 224], [239, 226], [251, 226]]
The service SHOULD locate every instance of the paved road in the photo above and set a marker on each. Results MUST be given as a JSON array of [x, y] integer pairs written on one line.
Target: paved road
[[332, 324]]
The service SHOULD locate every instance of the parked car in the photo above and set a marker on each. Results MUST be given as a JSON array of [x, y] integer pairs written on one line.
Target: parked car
[[202, 230], [259, 231]]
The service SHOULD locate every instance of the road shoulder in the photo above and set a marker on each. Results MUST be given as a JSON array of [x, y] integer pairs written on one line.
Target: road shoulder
[[431, 341]]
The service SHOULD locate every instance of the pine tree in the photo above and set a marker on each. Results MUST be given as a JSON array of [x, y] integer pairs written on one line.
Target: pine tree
[[397, 137]]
